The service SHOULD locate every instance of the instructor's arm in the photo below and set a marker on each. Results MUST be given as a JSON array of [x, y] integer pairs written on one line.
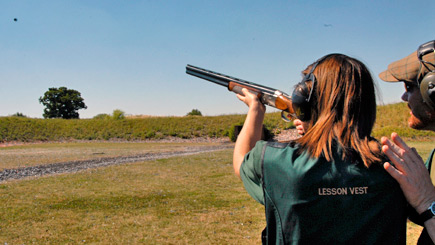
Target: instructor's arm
[[252, 129], [411, 173]]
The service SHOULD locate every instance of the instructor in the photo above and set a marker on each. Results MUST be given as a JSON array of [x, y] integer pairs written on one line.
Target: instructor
[[417, 72]]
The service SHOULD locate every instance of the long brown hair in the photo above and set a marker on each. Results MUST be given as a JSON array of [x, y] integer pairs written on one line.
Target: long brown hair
[[343, 110]]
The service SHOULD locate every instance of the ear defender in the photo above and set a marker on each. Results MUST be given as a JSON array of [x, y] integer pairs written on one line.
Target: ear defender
[[301, 103], [301, 96], [427, 89], [427, 84]]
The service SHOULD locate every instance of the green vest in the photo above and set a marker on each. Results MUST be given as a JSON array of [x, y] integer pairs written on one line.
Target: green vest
[[313, 201]]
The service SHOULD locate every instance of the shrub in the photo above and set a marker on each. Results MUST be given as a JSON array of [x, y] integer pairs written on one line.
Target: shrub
[[19, 114], [233, 132], [102, 116], [118, 114], [194, 112]]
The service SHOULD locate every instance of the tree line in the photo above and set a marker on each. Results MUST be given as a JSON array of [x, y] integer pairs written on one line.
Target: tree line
[[65, 103]]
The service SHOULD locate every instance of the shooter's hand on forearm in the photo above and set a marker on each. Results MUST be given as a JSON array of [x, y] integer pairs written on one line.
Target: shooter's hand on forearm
[[409, 170], [252, 129]]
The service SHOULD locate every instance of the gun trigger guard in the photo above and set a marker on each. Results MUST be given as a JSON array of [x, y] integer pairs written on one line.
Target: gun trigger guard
[[285, 117]]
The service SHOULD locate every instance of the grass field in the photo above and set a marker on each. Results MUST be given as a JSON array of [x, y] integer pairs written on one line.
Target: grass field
[[194, 200], [189, 200]]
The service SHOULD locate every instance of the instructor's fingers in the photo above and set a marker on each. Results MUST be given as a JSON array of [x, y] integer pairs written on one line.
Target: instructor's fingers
[[400, 148], [408, 154], [395, 173], [399, 142], [398, 163], [396, 149], [389, 148]]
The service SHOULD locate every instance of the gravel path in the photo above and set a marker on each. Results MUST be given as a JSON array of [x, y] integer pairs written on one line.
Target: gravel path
[[75, 166]]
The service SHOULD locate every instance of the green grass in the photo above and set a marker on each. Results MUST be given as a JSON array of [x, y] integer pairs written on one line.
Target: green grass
[[394, 118], [423, 147], [194, 200]]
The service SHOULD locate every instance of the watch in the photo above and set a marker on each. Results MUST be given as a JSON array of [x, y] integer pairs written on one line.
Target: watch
[[428, 214]]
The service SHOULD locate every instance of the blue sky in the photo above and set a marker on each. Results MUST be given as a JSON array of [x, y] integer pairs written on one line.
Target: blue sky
[[131, 55]]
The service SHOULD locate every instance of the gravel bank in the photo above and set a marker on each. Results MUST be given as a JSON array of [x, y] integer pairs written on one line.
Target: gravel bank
[[75, 166]]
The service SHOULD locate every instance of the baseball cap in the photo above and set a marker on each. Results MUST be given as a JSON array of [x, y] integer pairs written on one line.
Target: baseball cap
[[408, 69]]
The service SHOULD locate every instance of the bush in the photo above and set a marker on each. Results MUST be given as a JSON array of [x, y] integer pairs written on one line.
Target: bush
[[19, 114], [102, 116], [234, 131], [118, 114], [194, 112]]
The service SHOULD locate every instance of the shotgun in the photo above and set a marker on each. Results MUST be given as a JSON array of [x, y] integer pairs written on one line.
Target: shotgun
[[268, 96]]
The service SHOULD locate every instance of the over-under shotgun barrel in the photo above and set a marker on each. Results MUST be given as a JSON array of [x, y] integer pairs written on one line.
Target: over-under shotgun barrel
[[267, 95]]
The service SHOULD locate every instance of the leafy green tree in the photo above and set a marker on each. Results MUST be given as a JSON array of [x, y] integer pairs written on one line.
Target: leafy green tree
[[62, 103], [194, 112]]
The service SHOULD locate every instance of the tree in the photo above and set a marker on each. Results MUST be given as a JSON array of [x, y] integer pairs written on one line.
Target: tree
[[194, 112], [118, 114], [62, 103]]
